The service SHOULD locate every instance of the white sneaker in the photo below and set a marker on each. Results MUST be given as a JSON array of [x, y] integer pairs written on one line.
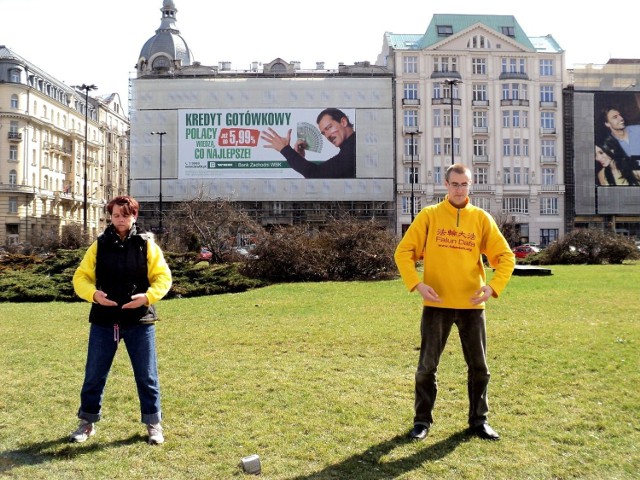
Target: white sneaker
[[83, 432], [155, 433]]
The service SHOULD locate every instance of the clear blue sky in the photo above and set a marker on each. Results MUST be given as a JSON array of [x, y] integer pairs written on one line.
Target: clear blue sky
[[88, 41]]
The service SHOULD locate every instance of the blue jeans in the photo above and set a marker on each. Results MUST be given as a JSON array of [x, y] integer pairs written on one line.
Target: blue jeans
[[140, 341], [435, 328]]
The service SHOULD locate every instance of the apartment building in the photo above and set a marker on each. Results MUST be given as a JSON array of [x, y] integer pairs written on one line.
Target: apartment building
[[63, 153], [475, 89]]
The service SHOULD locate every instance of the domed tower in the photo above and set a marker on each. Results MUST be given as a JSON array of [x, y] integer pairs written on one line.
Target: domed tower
[[166, 50]]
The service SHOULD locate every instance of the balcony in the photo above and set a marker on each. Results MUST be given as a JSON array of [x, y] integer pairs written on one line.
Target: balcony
[[553, 104], [546, 160], [552, 188], [547, 131], [411, 101], [482, 187], [445, 101], [409, 159], [514, 103], [480, 103], [15, 136], [480, 130], [483, 159]]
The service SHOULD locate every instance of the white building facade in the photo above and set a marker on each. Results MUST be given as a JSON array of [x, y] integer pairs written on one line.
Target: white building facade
[[43, 124], [474, 89]]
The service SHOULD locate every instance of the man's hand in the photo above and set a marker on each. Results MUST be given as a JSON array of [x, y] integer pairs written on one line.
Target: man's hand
[[137, 300], [482, 295], [275, 141], [300, 147], [428, 293]]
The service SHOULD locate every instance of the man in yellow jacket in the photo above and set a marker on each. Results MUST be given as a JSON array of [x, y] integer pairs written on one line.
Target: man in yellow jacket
[[451, 238]]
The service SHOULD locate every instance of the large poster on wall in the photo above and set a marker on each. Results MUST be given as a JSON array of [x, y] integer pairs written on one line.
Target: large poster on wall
[[617, 138], [267, 143]]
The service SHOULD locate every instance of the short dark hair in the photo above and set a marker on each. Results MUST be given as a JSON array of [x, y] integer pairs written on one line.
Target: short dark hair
[[334, 113], [457, 168], [129, 205]]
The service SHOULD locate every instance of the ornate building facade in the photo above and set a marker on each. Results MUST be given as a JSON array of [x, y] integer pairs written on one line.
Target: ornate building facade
[[44, 125]]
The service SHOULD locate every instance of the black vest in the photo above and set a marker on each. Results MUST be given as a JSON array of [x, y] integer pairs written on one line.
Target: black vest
[[121, 271]]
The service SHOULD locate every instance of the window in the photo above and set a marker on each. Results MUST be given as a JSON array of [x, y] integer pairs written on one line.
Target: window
[[548, 235], [410, 118], [444, 30], [410, 64], [437, 91], [516, 118], [411, 91], [437, 118], [546, 93], [548, 176], [506, 175], [13, 153], [15, 75], [482, 202], [548, 148], [548, 120], [548, 206], [506, 147], [525, 119], [13, 204], [480, 147], [508, 31], [277, 208], [13, 177], [445, 64], [546, 68], [480, 92], [437, 175], [437, 146], [480, 175], [411, 175], [480, 119], [516, 148], [14, 101], [506, 119], [456, 118], [517, 179], [513, 65], [406, 205], [515, 205], [479, 66], [410, 146], [479, 41]]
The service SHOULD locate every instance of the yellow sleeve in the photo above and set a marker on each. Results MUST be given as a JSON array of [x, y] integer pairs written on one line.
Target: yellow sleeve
[[411, 249], [158, 273], [84, 278]]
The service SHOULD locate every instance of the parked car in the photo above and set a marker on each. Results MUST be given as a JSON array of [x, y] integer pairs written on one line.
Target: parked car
[[204, 255], [523, 251]]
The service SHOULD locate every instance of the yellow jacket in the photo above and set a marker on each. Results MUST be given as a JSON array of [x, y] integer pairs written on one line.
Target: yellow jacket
[[452, 240]]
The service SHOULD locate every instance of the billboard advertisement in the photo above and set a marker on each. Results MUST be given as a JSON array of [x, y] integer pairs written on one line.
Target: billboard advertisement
[[617, 139], [272, 143]]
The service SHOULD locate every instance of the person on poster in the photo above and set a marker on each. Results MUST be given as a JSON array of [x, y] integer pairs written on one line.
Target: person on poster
[[335, 126], [628, 136], [614, 167], [451, 237], [123, 274]]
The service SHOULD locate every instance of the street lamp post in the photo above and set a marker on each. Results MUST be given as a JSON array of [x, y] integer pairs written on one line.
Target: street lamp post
[[451, 84], [161, 134], [86, 89], [413, 172]]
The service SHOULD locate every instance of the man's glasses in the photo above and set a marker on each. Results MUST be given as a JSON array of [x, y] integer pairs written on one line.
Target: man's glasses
[[459, 186]]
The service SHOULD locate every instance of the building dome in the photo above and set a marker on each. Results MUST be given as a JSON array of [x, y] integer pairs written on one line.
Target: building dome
[[166, 50]]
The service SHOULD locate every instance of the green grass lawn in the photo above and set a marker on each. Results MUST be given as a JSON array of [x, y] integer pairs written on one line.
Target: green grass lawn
[[317, 379]]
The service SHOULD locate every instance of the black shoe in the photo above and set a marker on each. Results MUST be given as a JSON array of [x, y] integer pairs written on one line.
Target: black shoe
[[419, 432], [484, 432]]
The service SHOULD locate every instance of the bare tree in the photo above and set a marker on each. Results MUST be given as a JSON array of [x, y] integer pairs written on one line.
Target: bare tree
[[214, 223]]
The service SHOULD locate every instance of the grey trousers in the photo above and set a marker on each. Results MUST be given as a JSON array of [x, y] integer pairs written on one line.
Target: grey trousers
[[435, 328]]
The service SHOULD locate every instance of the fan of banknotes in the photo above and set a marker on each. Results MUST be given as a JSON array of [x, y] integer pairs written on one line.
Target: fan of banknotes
[[311, 136]]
